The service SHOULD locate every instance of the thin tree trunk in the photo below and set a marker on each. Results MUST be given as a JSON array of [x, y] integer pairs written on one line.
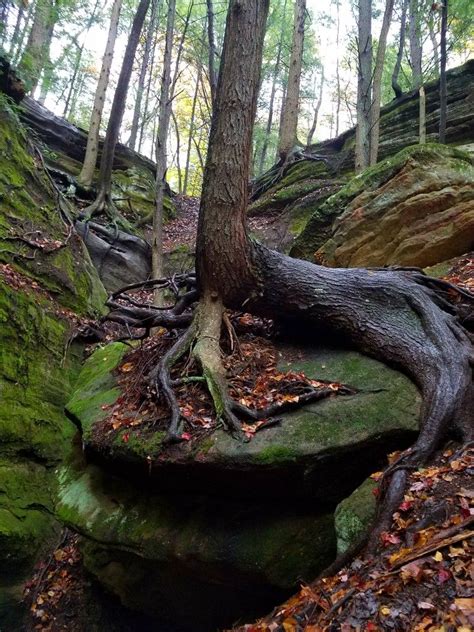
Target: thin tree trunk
[[212, 50], [90, 160], [422, 115], [141, 79], [178, 150], [16, 55], [414, 34], [276, 69], [191, 132], [443, 93], [145, 117], [434, 43], [72, 84], [401, 44], [338, 77], [314, 124], [364, 99], [16, 30], [288, 129], [161, 139], [36, 51], [103, 200], [377, 83]]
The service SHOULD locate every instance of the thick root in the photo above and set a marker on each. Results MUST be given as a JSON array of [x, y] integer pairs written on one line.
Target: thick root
[[208, 353]]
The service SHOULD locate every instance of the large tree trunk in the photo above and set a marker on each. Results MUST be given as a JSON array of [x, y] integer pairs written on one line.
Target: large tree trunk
[[395, 316], [377, 83], [103, 200], [401, 44], [289, 123], [90, 160], [364, 84], [161, 140], [443, 92]]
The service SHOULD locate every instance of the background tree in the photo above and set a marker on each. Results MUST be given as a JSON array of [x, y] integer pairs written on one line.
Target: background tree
[[161, 140], [103, 201], [290, 109], [443, 94], [364, 82], [92, 150]]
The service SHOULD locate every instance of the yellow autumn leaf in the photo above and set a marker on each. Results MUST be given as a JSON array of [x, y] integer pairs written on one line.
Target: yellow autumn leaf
[[438, 556], [127, 367], [385, 610]]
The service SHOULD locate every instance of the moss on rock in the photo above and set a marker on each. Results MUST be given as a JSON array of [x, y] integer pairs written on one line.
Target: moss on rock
[[354, 515]]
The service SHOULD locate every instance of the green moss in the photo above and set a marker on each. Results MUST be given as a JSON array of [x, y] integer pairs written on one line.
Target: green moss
[[354, 514], [140, 445], [276, 454], [96, 386]]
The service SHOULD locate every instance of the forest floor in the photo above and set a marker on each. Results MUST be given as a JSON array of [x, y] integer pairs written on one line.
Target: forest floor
[[421, 579]]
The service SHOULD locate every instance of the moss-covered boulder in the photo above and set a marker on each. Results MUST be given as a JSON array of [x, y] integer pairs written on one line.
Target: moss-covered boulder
[[196, 560], [46, 281], [354, 514], [304, 453], [414, 209]]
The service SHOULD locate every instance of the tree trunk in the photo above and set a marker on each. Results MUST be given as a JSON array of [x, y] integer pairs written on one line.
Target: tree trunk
[[90, 160], [434, 43], [16, 30], [276, 70], [395, 316], [364, 81], [443, 94], [316, 110], [161, 139], [141, 78], [16, 55], [289, 124], [191, 132], [178, 150], [416, 50], [212, 50], [36, 51], [422, 116], [401, 44], [377, 83], [338, 76]]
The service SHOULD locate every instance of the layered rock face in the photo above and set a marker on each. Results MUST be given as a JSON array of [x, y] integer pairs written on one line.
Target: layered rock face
[[414, 209], [297, 192]]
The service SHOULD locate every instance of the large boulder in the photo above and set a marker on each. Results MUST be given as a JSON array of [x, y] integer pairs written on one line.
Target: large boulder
[[47, 281], [414, 209]]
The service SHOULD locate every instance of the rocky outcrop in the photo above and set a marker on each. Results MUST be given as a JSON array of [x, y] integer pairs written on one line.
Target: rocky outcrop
[[46, 279], [300, 189], [231, 524], [414, 209]]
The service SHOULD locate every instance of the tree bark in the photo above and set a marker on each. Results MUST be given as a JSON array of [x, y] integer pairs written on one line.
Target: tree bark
[[141, 78], [364, 81], [90, 160], [443, 93], [338, 76], [289, 124], [401, 44], [377, 83], [416, 50], [161, 139]]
